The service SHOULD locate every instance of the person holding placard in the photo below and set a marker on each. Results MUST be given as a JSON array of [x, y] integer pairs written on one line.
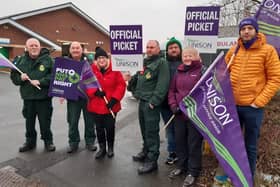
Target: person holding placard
[[74, 109]]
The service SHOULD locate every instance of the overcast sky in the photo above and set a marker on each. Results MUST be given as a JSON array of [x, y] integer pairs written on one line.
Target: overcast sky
[[160, 18]]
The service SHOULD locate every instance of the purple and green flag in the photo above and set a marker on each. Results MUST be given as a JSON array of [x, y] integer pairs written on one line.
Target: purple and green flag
[[4, 62], [88, 80], [211, 107], [268, 17]]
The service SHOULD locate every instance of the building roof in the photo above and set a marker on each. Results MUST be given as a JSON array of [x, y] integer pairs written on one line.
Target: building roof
[[30, 32], [12, 19]]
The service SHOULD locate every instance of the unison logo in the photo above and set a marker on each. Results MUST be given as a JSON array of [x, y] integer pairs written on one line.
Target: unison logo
[[126, 63], [199, 44], [217, 103]]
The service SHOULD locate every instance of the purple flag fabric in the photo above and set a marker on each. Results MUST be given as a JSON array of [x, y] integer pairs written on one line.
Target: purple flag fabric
[[268, 17], [4, 62], [88, 80], [211, 107]]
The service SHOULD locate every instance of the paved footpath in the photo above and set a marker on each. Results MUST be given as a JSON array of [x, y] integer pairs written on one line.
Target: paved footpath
[[59, 169]]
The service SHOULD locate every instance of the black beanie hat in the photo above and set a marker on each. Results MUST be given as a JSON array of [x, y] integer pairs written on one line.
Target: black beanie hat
[[100, 52]]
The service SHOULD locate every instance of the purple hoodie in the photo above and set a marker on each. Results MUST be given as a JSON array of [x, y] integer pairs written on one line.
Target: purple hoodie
[[183, 81]]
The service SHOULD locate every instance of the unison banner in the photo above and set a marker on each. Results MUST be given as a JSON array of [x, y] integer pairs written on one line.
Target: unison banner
[[210, 105], [65, 78], [201, 28], [126, 47], [268, 17]]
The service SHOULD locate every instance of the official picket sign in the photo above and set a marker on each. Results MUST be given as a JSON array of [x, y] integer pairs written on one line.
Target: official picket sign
[[65, 78], [201, 28], [126, 47]]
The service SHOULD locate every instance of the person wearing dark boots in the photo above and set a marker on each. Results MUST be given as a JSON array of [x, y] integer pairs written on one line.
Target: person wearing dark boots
[[187, 137], [74, 109], [37, 65], [151, 86], [104, 102]]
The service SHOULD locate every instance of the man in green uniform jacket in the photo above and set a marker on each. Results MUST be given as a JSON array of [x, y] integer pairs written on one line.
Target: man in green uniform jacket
[[74, 109], [37, 66], [151, 87]]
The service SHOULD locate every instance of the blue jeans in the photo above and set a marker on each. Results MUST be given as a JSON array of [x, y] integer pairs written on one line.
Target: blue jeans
[[251, 120], [170, 130]]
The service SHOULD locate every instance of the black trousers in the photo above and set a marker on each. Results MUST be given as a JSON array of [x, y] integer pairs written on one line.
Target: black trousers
[[43, 109], [105, 128], [188, 146]]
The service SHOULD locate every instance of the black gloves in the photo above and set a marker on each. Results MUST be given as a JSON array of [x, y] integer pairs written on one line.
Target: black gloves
[[99, 93], [111, 103], [176, 110]]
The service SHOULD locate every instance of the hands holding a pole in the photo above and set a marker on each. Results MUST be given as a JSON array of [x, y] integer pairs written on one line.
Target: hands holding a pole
[[25, 77], [100, 93]]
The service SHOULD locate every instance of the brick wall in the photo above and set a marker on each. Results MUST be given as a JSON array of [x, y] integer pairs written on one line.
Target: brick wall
[[65, 24]]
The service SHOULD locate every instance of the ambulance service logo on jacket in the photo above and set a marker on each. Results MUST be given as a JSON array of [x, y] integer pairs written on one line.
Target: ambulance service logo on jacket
[[42, 68], [148, 75]]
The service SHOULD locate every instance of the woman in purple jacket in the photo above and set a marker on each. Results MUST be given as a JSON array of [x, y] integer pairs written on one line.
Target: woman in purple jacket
[[188, 139]]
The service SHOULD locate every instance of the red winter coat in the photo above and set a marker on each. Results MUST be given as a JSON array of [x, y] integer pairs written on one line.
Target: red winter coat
[[113, 84]]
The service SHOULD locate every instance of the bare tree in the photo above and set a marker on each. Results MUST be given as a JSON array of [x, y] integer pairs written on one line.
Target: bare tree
[[232, 11]]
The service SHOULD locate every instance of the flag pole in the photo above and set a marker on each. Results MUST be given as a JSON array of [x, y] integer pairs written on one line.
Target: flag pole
[[168, 122], [106, 101], [232, 56], [230, 61], [16, 68]]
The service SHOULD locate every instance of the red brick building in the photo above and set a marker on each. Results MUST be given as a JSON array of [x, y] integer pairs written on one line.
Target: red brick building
[[52, 26]]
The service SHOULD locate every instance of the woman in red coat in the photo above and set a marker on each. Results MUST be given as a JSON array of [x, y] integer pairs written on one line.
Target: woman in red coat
[[113, 88]]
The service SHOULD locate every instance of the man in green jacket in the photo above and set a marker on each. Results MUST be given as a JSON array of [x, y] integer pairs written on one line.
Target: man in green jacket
[[151, 88], [74, 109], [37, 66]]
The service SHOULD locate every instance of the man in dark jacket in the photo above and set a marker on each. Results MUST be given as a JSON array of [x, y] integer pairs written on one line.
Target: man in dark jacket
[[37, 66], [151, 88], [173, 57], [74, 109]]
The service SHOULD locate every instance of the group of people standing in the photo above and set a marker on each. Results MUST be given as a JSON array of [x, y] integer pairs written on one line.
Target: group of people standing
[[159, 87], [254, 69], [99, 106]]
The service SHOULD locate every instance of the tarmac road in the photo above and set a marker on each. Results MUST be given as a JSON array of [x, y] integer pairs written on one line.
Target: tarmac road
[[60, 169]]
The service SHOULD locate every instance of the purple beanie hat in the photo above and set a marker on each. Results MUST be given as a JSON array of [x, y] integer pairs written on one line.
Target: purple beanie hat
[[249, 21]]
